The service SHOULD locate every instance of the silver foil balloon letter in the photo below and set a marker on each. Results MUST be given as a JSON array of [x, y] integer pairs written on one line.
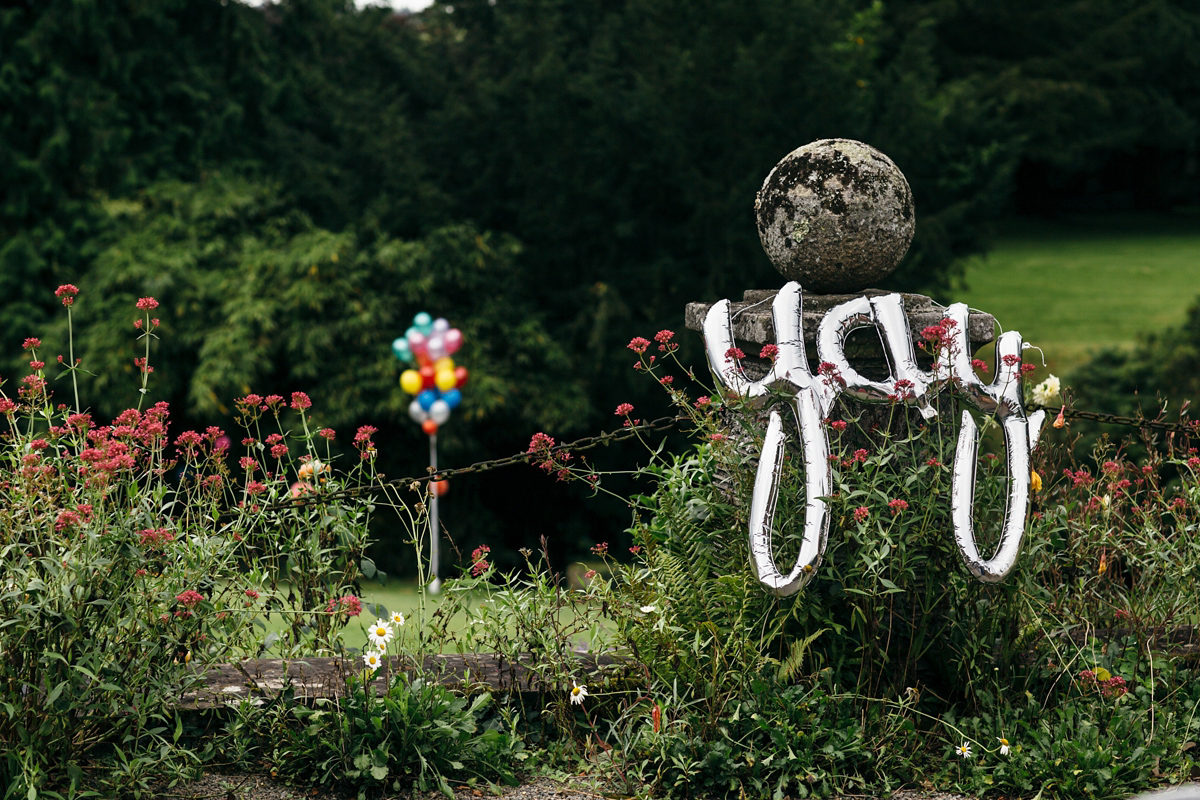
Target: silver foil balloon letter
[[812, 398], [907, 382]]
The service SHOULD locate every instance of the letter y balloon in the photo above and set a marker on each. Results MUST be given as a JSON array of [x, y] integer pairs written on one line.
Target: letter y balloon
[[813, 397]]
